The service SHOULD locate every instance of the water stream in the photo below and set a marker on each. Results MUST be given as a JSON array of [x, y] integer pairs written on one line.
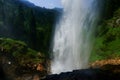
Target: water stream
[[73, 36]]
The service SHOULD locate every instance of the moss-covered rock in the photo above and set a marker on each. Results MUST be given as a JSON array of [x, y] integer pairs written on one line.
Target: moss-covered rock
[[18, 60]]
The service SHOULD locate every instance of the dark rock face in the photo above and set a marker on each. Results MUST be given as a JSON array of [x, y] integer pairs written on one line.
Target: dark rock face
[[110, 6], [85, 74], [2, 74]]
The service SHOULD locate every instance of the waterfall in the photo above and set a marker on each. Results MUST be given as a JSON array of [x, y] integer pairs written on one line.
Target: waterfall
[[73, 39]]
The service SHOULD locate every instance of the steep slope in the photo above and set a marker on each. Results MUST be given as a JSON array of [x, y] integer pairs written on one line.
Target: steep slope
[[24, 21], [107, 43]]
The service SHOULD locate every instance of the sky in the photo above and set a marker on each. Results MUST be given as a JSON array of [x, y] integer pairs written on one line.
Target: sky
[[47, 3]]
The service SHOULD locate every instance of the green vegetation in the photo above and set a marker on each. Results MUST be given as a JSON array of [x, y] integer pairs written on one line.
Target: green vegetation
[[107, 44], [24, 21], [19, 51], [17, 59]]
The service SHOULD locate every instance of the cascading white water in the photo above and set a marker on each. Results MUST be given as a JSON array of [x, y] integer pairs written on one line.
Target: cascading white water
[[72, 42]]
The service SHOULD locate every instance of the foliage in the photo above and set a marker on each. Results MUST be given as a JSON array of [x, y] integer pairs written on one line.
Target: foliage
[[107, 43], [17, 59], [26, 22], [18, 51]]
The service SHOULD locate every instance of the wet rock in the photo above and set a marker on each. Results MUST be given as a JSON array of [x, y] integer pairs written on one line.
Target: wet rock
[[2, 74], [85, 74], [99, 70]]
